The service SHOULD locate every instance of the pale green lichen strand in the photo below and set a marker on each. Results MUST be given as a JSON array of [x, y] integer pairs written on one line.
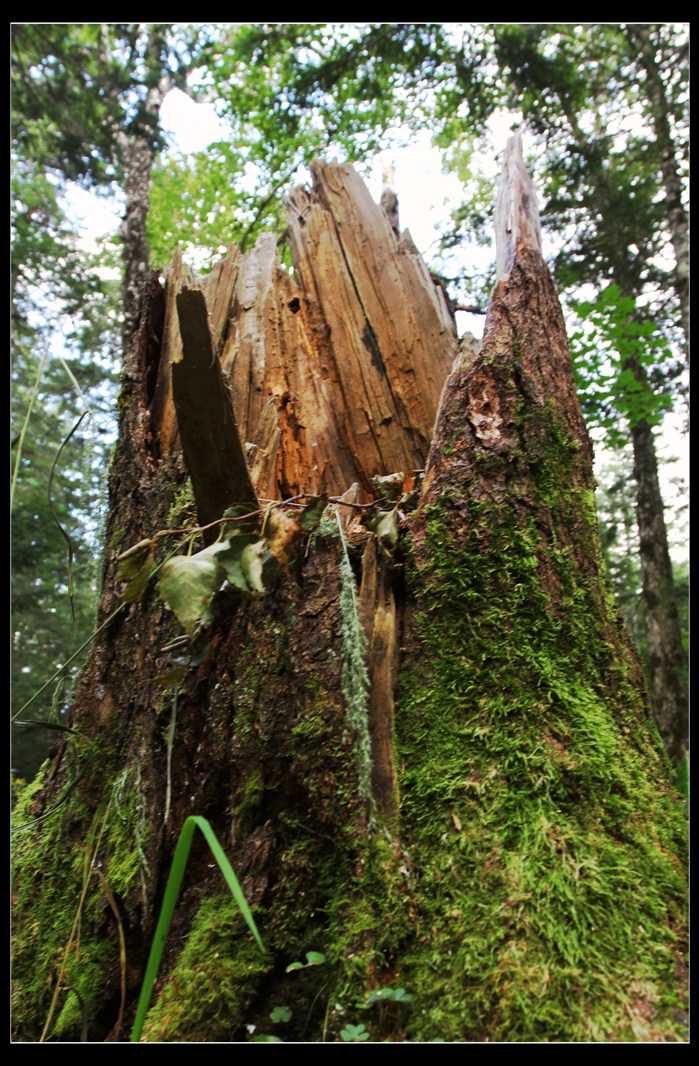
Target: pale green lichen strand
[[355, 677]]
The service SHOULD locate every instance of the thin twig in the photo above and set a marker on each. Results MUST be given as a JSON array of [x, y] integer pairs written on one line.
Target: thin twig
[[67, 663], [23, 430], [122, 950]]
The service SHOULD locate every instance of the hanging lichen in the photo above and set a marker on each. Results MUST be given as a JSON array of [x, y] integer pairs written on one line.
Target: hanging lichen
[[355, 677]]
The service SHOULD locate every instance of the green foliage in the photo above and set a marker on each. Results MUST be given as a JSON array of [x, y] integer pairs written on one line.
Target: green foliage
[[196, 204], [280, 1014], [619, 537], [247, 562], [48, 268], [387, 995], [349, 1032], [81, 88], [288, 93], [66, 123], [285, 91], [64, 320], [613, 356], [53, 594], [603, 170], [313, 958], [354, 1033]]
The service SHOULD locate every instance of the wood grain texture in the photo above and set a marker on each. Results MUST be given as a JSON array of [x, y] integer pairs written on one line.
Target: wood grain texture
[[336, 370]]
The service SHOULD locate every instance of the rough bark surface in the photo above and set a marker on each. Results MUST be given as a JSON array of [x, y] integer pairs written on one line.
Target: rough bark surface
[[137, 153], [427, 749]]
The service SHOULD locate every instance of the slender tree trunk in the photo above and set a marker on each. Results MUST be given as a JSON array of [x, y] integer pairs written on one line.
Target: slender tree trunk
[[138, 151], [666, 657], [667, 661], [138, 156], [426, 748], [640, 35]]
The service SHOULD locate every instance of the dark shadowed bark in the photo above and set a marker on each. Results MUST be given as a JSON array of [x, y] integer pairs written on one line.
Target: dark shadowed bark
[[426, 748]]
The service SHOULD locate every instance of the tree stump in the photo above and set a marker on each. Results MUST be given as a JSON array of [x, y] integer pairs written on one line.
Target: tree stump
[[415, 724]]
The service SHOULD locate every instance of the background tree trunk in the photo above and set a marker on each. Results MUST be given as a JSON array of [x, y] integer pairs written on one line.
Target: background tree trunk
[[137, 150], [667, 659], [427, 750], [640, 35]]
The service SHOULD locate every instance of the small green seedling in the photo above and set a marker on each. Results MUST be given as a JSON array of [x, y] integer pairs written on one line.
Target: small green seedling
[[386, 995], [280, 1014], [313, 958], [354, 1033]]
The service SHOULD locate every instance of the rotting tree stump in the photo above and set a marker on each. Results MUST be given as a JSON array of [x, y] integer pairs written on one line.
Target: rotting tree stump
[[421, 733]]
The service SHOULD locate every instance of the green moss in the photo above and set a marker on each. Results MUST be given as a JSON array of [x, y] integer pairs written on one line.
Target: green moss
[[248, 805], [85, 973], [124, 401], [208, 992], [349, 902], [183, 511], [25, 797], [536, 797], [117, 537], [64, 928], [127, 829]]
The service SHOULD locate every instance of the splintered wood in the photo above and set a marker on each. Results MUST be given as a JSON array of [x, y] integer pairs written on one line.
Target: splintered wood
[[516, 210], [335, 371]]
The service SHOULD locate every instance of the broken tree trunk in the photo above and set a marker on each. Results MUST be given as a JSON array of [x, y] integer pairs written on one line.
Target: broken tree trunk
[[416, 724], [335, 375]]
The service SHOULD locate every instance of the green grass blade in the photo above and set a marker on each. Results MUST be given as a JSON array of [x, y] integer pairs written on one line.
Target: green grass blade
[[230, 878], [179, 863], [21, 435], [69, 543]]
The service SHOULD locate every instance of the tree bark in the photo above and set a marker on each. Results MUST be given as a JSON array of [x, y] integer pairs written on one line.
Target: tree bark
[[137, 151], [427, 749]]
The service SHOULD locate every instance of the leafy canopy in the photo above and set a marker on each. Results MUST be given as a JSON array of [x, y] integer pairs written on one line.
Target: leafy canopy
[[614, 353]]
